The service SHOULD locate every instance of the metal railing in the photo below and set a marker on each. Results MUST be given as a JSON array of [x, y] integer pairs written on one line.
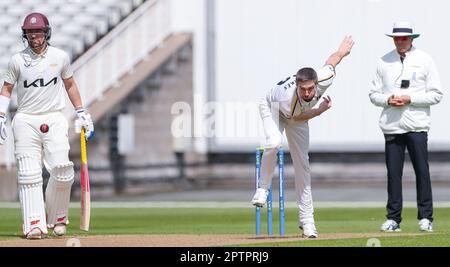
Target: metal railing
[[120, 50]]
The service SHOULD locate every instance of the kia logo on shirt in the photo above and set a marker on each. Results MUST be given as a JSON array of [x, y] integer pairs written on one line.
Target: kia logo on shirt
[[39, 83]]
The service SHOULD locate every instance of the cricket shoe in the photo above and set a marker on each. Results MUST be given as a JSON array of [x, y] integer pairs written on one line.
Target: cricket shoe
[[390, 226], [260, 197], [425, 225], [60, 229], [35, 233], [309, 230]]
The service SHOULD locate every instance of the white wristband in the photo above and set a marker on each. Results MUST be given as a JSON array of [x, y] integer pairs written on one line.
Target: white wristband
[[4, 103]]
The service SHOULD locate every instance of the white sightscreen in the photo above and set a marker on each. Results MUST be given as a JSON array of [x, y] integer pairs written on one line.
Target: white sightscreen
[[259, 42]]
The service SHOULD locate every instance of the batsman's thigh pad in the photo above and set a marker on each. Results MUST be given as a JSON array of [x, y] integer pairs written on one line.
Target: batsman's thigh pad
[[58, 193], [56, 139], [26, 136]]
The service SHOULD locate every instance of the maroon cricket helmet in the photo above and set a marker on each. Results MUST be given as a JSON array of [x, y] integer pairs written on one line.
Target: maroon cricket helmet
[[36, 21]]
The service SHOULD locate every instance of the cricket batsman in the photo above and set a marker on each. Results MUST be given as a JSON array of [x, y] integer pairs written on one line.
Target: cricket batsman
[[42, 76]]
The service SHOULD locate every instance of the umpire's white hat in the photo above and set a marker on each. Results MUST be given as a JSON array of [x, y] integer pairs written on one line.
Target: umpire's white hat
[[403, 28]]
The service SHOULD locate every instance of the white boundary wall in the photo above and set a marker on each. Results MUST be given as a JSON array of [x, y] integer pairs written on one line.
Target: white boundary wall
[[259, 42]]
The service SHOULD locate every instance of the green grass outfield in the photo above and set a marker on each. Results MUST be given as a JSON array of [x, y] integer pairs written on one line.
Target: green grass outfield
[[210, 221]]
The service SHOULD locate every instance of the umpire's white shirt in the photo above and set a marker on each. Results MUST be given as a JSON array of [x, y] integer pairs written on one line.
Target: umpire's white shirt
[[285, 95], [40, 88], [425, 90]]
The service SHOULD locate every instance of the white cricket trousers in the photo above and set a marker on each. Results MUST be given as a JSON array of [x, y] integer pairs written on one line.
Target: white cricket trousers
[[32, 148], [297, 134]]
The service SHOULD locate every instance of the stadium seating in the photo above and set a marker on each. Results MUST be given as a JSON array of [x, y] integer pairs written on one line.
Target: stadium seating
[[134, 65], [76, 24]]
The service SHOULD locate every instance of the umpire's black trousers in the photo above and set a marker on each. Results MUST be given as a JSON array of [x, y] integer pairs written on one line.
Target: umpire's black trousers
[[416, 143]]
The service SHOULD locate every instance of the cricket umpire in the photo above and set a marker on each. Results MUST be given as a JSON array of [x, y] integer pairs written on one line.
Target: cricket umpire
[[405, 85]]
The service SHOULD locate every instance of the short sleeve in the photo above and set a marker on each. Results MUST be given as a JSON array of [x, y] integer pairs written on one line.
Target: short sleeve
[[325, 78], [66, 71], [326, 75], [13, 72]]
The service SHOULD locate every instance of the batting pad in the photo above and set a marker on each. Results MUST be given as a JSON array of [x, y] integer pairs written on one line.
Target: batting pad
[[30, 192], [29, 169], [57, 195], [33, 210]]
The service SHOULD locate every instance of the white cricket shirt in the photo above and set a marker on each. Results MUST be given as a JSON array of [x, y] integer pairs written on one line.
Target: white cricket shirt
[[285, 95], [425, 89], [38, 79]]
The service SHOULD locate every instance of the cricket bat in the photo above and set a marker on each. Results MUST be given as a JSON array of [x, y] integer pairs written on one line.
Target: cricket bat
[[85, 190]]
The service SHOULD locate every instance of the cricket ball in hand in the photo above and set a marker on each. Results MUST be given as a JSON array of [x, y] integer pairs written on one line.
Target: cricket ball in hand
[[44, 128]]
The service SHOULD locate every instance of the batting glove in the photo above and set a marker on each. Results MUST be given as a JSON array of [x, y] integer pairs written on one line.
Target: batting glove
[[3, 133], [84, 121]]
